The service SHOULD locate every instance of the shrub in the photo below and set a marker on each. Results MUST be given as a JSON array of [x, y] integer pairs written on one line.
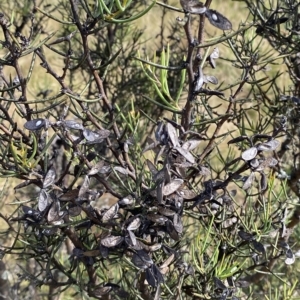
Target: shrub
[[171, 175]]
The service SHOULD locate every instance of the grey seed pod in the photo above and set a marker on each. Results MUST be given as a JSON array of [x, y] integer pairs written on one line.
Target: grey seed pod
[[218, 20]]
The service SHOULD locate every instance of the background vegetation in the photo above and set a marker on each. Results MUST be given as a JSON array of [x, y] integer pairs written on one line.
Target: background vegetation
[[147, 152]]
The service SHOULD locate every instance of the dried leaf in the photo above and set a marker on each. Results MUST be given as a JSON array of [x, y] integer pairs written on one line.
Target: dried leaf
[[171, 231], [32, 213], [249, 154], [268, 162], [105, 170], [211, 58], [58, 222], [28, 210], [129, 200], [172, 134], [157, 274], [178, 202], [84, 188], [272, 162], [229, 222], [211, 79], [90, 135], [183, 165], [159, 154], [187, 194], [154, 247], [94, 137], [268, 146], [151, 167], [176, 125], [121, 170], [137, 246], [53, 214], [177, 222], [191, 145], [212, 62], [74, 210], [156, 218], [36, 124], [166, 211], [132, 238], [96, 168], [259, 247], [160, 132], [218, 20], [193, 7], [145, 256], [49, 178], [99, 292], [135, 224], [157, 293], [290, 261], [215, 53], [199, 80], [204, 171], [75, 138], [43, 200], [151, 144], [73, 125], [246, 236], [263, 182], [160, 176], [172, 187], [111, 241], [186, 154], [94, 194], [150, 278], [110, 213], [168, 261], [70, 195], [254, 163], [138, 262], [248, 183], [219, 284]]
